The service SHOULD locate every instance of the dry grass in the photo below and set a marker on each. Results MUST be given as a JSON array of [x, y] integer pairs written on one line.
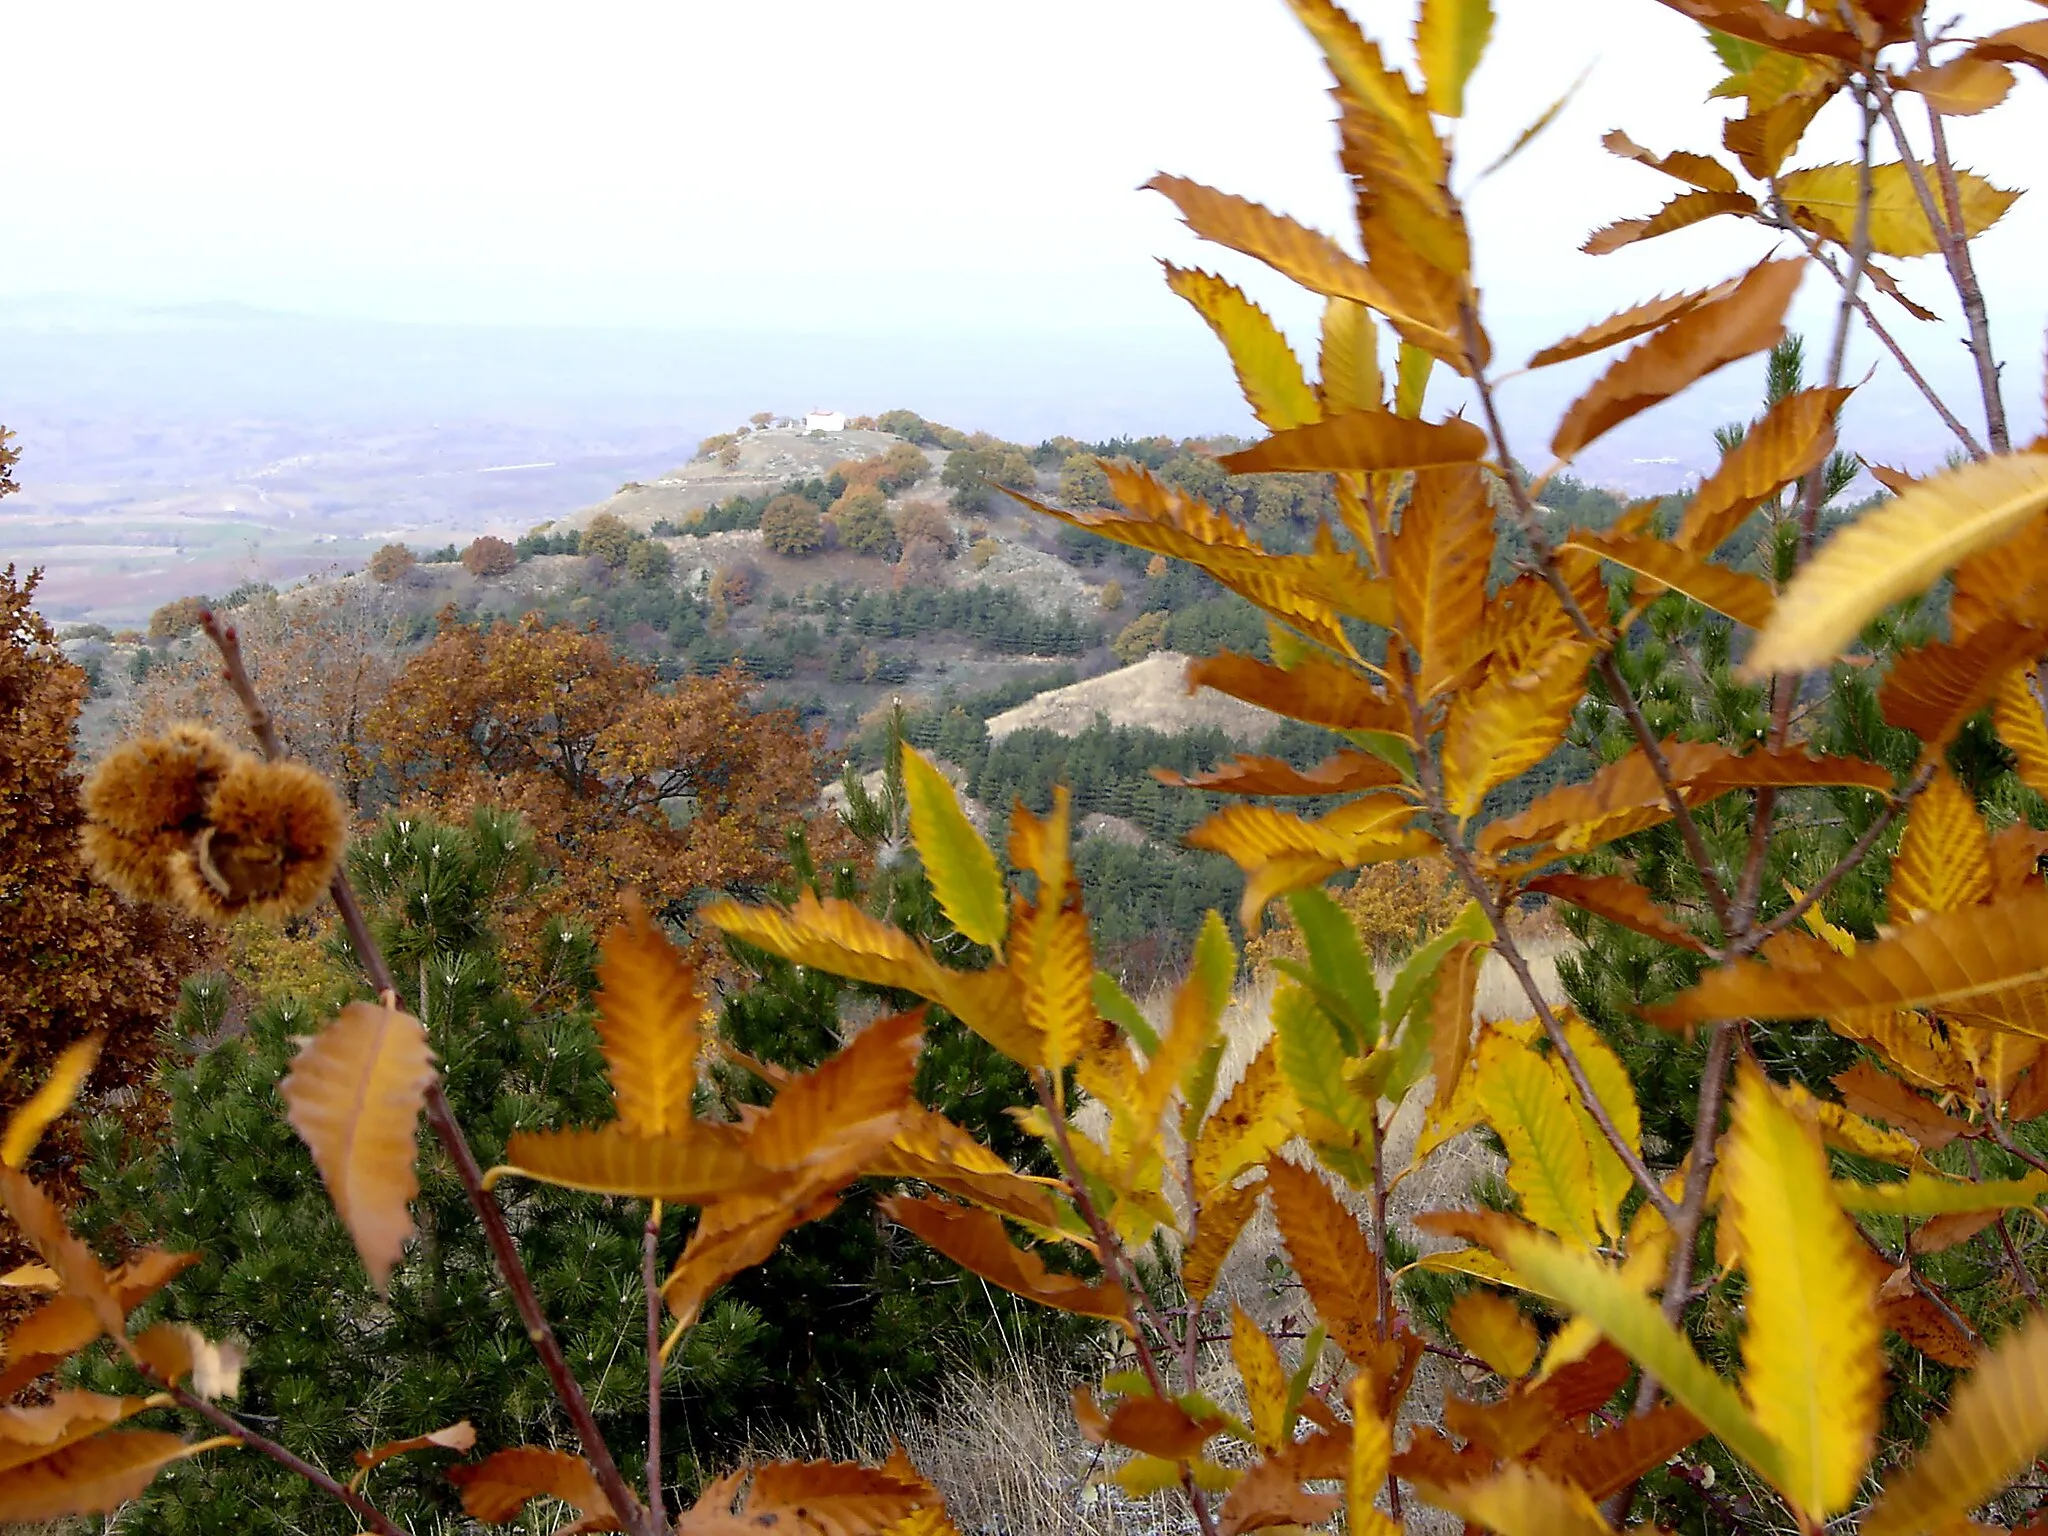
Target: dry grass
[[1005, 1454]]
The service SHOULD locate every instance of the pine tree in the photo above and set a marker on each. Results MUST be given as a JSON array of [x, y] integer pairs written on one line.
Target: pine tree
[[846, 1309], [339, 1369], [851, 1307]]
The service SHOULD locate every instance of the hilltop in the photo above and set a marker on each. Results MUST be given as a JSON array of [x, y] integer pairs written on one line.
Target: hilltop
[[758, 461]]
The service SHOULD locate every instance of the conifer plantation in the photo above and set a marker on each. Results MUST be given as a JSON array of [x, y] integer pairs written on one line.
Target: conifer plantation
[[563, 1101]]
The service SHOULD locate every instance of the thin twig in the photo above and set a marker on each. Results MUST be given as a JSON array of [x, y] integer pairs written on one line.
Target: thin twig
[[1903, 1259], [1813, 492], [1891, 343], [1505, 946], [1967, 287], [2019, 1265], [1138, 1312], [263, 1445], [1706, 1131], [1383, 1282], [1610, 673], [1753, 939], [1998, 1132], [448, 1130], [527, 1303], [1955, 253], [657, 1512]]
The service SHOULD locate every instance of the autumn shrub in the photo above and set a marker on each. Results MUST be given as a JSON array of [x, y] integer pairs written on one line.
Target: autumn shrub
[[650, 561], [862, 523], [972, 472], [1141, 637], [902, 467], [609, 538], [75, 960], [733, 586], [487, 555], [624, 785], [1082, 482], [927, 520], [178, 618], [790, 525], [323, 661], [391, 563], [1394, 908]]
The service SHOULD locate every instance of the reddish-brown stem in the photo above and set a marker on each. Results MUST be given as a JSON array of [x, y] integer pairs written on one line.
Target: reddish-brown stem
[[449, 1132], [1384, 1284], [527, 1303], [2019, 1265], [1138, 1313], [1749, 889], [1692, 1207], [372, 1517], [1191, 1323], [1813, 491], [1955, 251], [1706, 1130], [1610, 672], [1968, 289], [1755, 937], [1859, 247], [2006, 1233], [1995, 1129], [1885, 338], [650, 1281], [1505, 946]]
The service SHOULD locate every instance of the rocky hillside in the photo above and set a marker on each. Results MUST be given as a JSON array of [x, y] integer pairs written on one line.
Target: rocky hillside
[[1150, 694]]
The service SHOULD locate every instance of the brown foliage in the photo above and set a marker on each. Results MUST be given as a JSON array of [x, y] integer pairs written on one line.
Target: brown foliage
[[394, 562], [672, 793], [790, 525], [861, 518], [927, 520], [609, 539], [734, 586], [488, 555], [74, 958], [179, 617]]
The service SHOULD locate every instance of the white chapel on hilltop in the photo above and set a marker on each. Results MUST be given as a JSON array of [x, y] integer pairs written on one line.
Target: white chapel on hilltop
[[825, 421]]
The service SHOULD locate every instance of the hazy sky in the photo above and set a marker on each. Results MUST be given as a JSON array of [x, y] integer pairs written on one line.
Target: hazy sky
[[817, 165]]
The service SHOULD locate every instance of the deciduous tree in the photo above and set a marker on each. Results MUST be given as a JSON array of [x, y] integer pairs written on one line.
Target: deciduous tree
[[790, 525], [608, 537], [862, 521], [393, 562], [488, 555], [675, 792], [927, 520], [178, 618], [75, 960], [1141, 637], [322, 659]]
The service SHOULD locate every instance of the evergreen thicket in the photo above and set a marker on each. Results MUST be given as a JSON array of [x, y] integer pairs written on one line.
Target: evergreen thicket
[[849, 1308]]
